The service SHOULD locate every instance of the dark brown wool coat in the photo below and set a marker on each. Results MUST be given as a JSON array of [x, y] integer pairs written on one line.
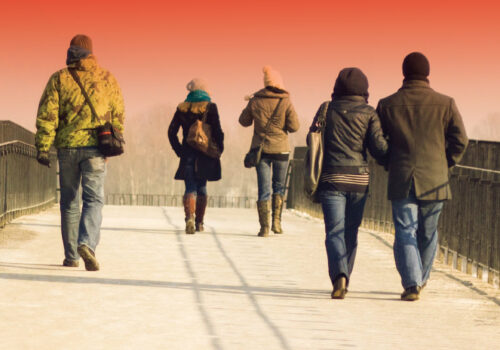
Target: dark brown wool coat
[[426, 137], [206, 168]]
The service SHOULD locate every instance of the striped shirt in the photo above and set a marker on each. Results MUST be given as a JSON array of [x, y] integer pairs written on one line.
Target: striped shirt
[[344, 181]]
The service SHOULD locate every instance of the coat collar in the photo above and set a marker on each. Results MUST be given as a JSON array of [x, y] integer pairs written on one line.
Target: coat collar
[[195, 107], [266, 93], [350, 98], [87, 64], [412, 84]]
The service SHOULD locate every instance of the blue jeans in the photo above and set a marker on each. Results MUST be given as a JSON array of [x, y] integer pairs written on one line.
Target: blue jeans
[[193, 185], [416, 237], [343, 212], [264, 177], [87, 166]]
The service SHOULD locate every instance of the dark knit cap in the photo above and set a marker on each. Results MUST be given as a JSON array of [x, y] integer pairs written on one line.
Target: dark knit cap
[[82, 41], [416, 67], [351, 82]]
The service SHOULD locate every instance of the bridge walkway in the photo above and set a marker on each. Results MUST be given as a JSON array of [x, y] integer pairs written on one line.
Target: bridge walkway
[[224, 289]]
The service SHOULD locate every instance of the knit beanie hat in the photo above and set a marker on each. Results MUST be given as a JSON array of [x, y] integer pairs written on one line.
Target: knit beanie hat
[[272, 78], [416, 67], [351, 82], [198, 84], [82, 41]]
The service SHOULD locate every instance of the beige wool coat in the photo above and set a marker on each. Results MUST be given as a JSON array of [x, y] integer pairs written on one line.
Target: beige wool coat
[[259, 110]]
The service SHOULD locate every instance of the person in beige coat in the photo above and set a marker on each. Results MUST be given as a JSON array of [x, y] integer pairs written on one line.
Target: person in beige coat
[[271, 101]]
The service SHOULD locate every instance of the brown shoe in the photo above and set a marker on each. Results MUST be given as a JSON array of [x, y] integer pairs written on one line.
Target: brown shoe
[[201, 205], [88, 257], [339, 288], [189, 208], [70, 263], [263, 210], [277, 210], [411, 293]]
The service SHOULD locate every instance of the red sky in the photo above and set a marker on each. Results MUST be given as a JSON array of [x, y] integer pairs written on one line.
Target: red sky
[[154, 48]]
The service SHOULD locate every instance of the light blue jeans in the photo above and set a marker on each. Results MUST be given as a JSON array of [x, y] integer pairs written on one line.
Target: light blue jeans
[[87, 166], [343, 213], [415, 241], [264, 177]]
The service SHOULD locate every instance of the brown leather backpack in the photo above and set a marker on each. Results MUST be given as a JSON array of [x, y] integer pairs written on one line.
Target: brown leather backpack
[[200, 137]]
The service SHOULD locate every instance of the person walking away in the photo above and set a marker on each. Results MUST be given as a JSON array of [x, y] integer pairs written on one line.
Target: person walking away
[[427, 138], [65, 120], [272, 101], [196, 168], [352, 128]]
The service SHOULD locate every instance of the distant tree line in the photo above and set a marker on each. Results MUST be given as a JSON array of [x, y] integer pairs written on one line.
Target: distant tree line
[[149, 164]]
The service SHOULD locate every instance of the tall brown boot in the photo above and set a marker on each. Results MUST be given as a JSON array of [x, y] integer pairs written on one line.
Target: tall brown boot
[[201, 204], [189, 208], [263, 210], [277, 210]]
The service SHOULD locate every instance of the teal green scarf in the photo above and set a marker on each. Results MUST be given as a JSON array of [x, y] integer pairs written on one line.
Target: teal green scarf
[[197, 96]]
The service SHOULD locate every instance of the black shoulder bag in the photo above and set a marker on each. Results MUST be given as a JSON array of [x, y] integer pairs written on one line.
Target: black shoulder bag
[[252, 158], [313, 160], [110, 141]]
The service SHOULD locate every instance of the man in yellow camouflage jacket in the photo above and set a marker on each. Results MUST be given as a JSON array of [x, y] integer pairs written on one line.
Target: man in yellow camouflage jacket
[[65, 120]]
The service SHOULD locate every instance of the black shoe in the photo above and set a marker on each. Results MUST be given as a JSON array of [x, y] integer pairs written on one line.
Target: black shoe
[[339, 288], [70, 263], [411, 293], [88, 257]]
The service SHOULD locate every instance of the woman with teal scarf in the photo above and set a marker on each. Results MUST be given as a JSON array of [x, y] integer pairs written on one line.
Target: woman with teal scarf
[[195, 168]]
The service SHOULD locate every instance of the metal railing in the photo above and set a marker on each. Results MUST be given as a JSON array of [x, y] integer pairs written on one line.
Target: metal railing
[[469, 228], [10, 131], [175, 200], [25, 186]]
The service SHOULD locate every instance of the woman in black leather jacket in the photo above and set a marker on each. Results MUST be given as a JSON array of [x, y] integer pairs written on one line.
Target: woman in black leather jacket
[[352, 128]]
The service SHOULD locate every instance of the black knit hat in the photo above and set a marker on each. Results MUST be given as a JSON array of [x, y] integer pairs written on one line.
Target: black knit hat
[[351, 82], [416, 67]]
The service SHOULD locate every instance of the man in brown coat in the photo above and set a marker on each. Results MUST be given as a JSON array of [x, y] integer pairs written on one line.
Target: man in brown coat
[[427, 137]]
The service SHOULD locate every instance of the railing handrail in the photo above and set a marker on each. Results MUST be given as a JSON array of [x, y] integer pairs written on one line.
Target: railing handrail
[[478, 169], [8, 143]]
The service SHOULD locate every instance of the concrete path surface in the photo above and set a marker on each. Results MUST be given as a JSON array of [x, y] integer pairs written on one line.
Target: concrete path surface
[[225, 288]]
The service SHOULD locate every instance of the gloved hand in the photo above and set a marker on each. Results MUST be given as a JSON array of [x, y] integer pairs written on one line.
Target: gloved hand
[[43, 158]]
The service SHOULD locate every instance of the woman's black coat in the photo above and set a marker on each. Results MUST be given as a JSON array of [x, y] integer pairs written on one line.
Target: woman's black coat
[[206, 168]]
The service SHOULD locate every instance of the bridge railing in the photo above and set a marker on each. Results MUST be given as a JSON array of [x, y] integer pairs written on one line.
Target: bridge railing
[[175, 200], [25, 186], [469, 227]]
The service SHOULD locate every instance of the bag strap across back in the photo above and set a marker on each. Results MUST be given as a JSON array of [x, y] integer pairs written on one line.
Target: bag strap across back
[[75, 76], [266, 128], [204, 117], [322, 118]]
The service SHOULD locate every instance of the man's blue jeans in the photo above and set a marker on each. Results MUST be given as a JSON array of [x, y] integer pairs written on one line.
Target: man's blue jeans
[[87, 166], [416, 237], [264, 177], [193, 185], [343, 212]]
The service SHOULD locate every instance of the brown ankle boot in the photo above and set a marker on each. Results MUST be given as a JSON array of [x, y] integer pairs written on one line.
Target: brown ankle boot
[[263, 210], [201, 205], [339, 288], [277, 210], [189, 208]]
